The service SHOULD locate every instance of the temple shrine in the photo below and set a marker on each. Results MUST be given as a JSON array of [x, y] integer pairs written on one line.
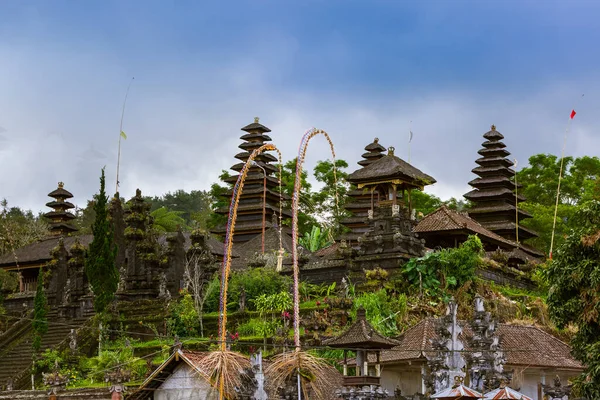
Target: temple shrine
[[260, 197], [494, 196]]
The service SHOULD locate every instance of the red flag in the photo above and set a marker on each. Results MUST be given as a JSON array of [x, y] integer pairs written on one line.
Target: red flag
[[573, 114]]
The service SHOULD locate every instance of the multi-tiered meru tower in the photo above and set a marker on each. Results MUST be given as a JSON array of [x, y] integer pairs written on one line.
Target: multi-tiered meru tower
[[259, 204], [495, 203]]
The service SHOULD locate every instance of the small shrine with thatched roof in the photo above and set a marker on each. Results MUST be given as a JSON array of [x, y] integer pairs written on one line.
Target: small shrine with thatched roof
[[363, 339]]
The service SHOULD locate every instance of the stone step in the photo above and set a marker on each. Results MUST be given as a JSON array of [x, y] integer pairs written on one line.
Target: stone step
[[20, 356]]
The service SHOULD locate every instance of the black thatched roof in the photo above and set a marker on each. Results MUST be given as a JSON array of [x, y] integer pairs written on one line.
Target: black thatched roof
[[493, 134], [391, 167], [361, 335], [60, 193], [62, 205], [256, 126], [39, 252]]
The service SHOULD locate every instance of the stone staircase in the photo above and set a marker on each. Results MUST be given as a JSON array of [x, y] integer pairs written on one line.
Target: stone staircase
[[16, 355]]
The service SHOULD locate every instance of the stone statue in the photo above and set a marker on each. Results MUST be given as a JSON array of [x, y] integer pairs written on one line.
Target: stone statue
[[67, 293], [163, 292], [73, 341], [242, 302], [557, 391]]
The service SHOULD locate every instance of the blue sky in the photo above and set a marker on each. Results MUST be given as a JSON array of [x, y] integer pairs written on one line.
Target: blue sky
[[357, 69]]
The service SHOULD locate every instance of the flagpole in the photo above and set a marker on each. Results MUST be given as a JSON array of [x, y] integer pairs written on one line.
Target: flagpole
[[410, 134], [516, 205], [121, 134], [562, 157]]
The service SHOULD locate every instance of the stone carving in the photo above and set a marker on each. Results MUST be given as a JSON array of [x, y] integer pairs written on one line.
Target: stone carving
[[446, 362], [486, 361], [73, 341], [55, 380], [557, 391], [117, 380], [163, 293], [370, 392]]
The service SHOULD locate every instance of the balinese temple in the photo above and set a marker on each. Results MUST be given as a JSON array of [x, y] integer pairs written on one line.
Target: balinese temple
[[260, 197], [359, 200], [60, 216], [363, 339], [493, 197], [389, 240]]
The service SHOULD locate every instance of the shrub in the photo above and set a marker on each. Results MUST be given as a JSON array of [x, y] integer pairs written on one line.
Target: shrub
[[184, 319], [382, 311], [254, 282]]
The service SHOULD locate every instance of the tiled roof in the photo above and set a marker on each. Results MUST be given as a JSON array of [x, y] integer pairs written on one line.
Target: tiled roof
[[361, 335], [522, 345], [445, 219], [505, 393], [458, 392]]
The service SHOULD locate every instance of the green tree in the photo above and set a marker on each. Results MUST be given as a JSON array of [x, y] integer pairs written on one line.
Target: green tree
[[84, 218], [219, 200], [100, 267], [40, 311], [19, 228], [424, 203], [574, 295], [540, 179], [540, 182], [193, 207], [326, 207], [306, 205], [164, 220]]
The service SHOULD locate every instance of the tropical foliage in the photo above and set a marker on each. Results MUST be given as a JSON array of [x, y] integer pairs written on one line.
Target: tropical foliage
[[574, 294], [253, 283], [316, 239], [40, 312]]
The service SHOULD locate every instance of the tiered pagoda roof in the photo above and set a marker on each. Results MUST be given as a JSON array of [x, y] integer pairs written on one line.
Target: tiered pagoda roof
[[258, 186], [390, 168], [493, 197], [374, 151], [359, 201], [60, 215]]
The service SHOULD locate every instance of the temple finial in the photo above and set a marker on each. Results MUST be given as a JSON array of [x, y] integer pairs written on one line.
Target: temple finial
[[256, 120], [391, 151], [493, 127], [61, 185]]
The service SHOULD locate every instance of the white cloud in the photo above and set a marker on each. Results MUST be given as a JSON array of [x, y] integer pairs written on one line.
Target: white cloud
[[183, 124]]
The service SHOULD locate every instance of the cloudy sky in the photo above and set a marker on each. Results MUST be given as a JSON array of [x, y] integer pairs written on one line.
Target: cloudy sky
[[357, 69]]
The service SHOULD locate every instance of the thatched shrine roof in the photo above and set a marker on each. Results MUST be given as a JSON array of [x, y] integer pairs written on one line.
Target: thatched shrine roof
[[390, 167], [361, 335], [39, 252], [60, 193]]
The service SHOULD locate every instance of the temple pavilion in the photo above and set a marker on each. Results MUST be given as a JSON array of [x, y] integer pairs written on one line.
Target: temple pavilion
[[363, 339], [359, 200]]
